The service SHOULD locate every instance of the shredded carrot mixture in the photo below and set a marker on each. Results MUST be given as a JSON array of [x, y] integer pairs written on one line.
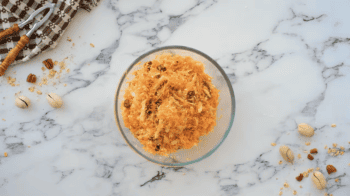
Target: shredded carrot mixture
[[170, 103]]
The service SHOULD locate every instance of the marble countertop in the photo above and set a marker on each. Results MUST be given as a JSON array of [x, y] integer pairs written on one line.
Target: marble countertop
[[288, 61]]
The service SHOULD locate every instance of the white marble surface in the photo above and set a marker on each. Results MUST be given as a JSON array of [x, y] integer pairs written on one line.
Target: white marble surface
[[289, 62]]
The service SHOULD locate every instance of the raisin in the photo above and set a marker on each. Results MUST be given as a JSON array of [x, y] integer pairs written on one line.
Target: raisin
[[127, 103]]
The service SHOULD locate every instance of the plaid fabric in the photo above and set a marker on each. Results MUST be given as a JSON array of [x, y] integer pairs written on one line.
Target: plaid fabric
[[47, 36]]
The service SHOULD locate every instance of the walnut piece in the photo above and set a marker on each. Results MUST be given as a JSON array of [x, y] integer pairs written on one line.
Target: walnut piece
[[31, 78], [313, 151], [48, 63], [331, 169], [309, 156]]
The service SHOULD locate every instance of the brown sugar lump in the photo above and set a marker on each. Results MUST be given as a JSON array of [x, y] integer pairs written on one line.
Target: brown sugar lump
[[170, 103]]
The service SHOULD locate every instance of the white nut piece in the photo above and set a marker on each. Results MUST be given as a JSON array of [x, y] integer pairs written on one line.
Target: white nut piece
[[287, 154], [319, 180], [22, 102], [54, 100], [306, 130]]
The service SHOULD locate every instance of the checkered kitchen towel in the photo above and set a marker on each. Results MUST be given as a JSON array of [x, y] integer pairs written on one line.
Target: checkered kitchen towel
[[47, 36]]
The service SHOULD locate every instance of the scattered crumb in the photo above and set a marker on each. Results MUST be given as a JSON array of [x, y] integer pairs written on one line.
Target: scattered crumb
[[64, 84], [67, 70], [310, 157], [92, 45], [286, 185], [349, 164], [342, 148], [333, 125], [281, 187], [301, 186], [39, 92], [333, 150], [310, 170], [336, 154], [330, 194], [306, 151], [342, 153], [11, 81], [273, 144], [52, 73], [305, 174], [335, 145], [4, 119], [317, 168], [299, 156], [55, 62], [43, 68], [183, 174], [294, 192], [336, 180], [300, 177], [5, 154], [325, 194], [73, 44], [280, 193], [325, 147], [69, 39], [307, 143], [28, 146], [280, 162], [31, 89]]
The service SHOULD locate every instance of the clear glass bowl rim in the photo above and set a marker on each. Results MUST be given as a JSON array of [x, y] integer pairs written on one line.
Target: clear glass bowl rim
[[233, 102]]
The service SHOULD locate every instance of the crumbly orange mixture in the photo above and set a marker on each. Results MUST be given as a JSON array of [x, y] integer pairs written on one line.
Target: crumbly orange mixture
[[170, 103]]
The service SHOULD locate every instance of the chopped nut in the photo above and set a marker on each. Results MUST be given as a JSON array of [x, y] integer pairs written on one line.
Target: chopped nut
[[92, 45], [31, 78], [273, 144], [310, 170], [127, 103], [280, 193], [335, 145], [305, 174], [342, 153], [336, 154], [286, 185], [313, 151], [325, 147], [69, 39], [39, 92], [336, 180], [333, 125], [294, 192], [43, 68], [307, 143], [31, 89], [300, 177], [299, 156], [48, 63], [331, 169], [5, 154], [309, 156], [334, 150], [342, 148], [52, 73]]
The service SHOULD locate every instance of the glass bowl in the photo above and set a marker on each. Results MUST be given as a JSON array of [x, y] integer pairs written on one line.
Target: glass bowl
[[225, 111]]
